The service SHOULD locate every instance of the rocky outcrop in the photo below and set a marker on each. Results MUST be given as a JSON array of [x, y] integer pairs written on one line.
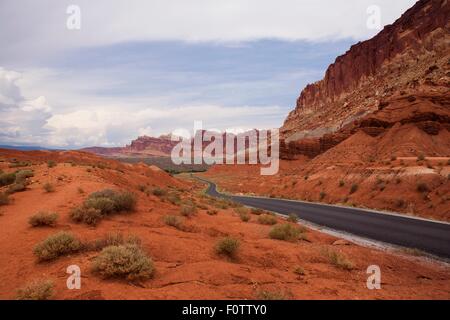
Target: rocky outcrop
[[408, 57]]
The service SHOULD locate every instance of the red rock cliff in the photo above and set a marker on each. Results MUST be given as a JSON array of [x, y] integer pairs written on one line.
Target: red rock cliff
[[356, 82]]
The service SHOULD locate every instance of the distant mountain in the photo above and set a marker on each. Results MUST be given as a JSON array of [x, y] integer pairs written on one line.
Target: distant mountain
[[143, 146], [24, 148]]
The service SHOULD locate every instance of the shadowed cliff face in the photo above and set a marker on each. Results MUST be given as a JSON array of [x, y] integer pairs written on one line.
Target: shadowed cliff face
[[408, 58]]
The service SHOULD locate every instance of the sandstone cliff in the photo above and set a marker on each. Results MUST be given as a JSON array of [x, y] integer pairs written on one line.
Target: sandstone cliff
[[407, 61]]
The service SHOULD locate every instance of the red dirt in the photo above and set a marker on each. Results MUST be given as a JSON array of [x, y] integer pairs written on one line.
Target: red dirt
[[186, 265]]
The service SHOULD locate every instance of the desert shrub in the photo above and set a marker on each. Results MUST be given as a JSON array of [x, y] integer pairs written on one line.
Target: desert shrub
[[400, 203], [270, 295], [227, 246], [7, 179], [173, 198], [159, 192], [286, 232], [338, 260], [393, 158], [104, 205], [43, 219], [257, 211], [123, 261], [109, 201], [212, 212], [267, 219], [4, 199], [188, 210], [90, 216], [80, 190], [422, 187], [341, 183], [244, 216], [51, 164], [322, 195], [299, 271], [101, 165], [19, 164], [173, 221], [202, 206], [16, 187], [56, 245], [23, 175], [292, 218], [142, 188], [48, 187], [421, 157], [353, 188], [36, 290], [111, 239], [240, 210], [124, 201]]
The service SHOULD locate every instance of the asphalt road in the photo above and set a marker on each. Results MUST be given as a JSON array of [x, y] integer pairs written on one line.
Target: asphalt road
[[428, 236]]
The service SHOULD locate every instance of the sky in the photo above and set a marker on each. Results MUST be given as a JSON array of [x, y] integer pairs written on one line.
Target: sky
[[151, 67]]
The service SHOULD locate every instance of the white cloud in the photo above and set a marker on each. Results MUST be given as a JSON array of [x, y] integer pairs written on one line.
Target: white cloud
[[114, 126], [40, 26], [93, 121]]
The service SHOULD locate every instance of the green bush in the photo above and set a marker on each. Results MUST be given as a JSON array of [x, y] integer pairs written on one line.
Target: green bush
[[48, 187], [353, 188], [299, 271], [257, 211], [121, 201], [104, 205], [59, 244], [20, 164], [267, 219], [90, 216], [173, 221], [123, 261], [36, 290], [188, 210], [23, 175], [338, 260], [4, 199], [271, 295], [244, 216], [173, 198], [227, 246], [286, 232], [7, 179], [51, 164], [125, 201], [16, 187], [43, 219], [422, 187], [159, 192], [111, 239], [292, 218]]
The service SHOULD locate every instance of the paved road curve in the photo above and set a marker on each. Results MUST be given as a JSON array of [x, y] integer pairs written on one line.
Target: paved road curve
[[428, 236]]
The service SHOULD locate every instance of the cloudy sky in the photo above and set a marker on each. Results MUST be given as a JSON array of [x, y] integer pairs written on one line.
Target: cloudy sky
[[154, 66]]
